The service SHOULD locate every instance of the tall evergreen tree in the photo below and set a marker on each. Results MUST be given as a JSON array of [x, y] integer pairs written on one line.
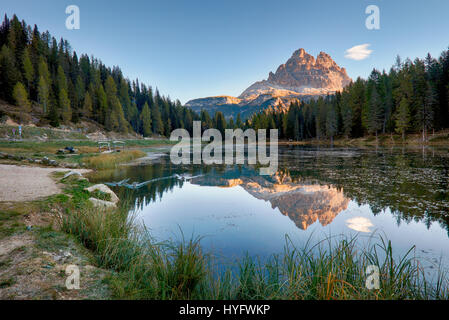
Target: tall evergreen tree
[[21, 97], [145, 120], [157, 124], [43, 94], [403, 117], [64, 104], [28, 70]]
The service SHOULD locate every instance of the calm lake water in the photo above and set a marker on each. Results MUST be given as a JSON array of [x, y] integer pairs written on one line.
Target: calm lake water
[[402, 194]]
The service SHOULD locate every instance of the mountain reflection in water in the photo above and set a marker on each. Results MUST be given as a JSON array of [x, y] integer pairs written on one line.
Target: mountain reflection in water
[[402, 193], [303, 204]]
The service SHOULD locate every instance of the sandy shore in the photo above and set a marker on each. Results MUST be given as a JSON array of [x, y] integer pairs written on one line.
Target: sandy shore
[[23, 183]]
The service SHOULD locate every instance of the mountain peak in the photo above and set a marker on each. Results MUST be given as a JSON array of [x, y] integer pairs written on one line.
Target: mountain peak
[[302, 77], [300, 53], [303, 74]]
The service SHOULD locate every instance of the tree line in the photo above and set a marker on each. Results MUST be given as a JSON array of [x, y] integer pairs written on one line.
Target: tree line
[[39, 72]]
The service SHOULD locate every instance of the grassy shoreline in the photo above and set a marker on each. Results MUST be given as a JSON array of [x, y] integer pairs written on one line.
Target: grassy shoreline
[[87, 155], [133, 266], [440, 138], [334, 269]]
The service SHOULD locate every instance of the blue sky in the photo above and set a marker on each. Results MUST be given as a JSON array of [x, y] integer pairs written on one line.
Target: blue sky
[[192, 48]]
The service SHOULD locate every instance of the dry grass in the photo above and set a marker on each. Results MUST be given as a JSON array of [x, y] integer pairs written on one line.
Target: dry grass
[[111, 160]]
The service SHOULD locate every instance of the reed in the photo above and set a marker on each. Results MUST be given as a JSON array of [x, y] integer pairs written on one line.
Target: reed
[[333, 269], [112, 160]]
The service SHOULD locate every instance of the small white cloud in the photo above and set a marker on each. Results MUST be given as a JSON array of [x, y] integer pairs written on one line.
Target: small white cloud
[[359, 52], [360, 224]]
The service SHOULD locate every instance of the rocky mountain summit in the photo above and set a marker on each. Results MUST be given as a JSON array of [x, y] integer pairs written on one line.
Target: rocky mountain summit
[[302, 77]]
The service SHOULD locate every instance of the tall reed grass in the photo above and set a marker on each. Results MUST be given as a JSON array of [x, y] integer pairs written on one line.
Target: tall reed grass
[[334, 269], [111, 160]]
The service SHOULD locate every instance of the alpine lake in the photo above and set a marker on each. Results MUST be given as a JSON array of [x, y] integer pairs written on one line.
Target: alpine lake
[[317, 194]]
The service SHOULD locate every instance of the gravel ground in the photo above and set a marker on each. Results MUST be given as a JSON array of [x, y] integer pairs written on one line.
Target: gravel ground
[[24, 183]]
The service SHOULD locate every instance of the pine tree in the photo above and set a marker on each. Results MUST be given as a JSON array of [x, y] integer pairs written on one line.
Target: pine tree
[[238, 122], [331, 123], [21, 97], [374, 113], [102, 104], [346, 114], [403, 117], [145, 120], [9, 73], [220, 122], [64, 105], [231, 124], [425, 111], [79, 91], [61, 80], [43, 71], [28, 70], [111, 120], [158, 125], [43, 94], [87, 105], [206, 121], [125, 100]]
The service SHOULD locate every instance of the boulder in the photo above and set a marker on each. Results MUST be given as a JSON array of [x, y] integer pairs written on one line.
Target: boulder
[[104, 188], [102, 204], [72, 173]]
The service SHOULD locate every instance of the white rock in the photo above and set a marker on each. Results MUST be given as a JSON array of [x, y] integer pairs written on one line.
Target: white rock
[[102, 204], [71, 173], [104, 188]]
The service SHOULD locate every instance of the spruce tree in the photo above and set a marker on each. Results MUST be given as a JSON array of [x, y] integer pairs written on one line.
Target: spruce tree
[[346, 114], [9, 73], [64, 105], [87, 105], [43, 93], [331, 123], [238, 122], [145, 120], [157, 124], [21, 97], [403, 117], [28, 70]]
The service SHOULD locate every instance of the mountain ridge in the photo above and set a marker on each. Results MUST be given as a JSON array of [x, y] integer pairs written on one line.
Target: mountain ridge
[[302, 77]]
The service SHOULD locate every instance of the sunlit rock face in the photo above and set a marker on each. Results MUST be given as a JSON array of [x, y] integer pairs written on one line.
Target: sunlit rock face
[[304, 204], [302, 77]]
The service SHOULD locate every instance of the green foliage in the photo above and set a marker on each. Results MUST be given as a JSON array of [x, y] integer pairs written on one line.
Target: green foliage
[[145, 121], [43, 94], [87, 105], [412, 97], [28, 70], [64, 104], [21, 97], [46, 67], [403, 117]]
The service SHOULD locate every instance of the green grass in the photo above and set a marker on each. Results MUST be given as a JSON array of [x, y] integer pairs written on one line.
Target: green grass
[[86, 150], [30, 132], [331, 270], [10, 222], [43, 146]]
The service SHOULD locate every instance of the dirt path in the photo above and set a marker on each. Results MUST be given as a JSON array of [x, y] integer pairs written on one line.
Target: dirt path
[[34, 252], [23, 183]]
